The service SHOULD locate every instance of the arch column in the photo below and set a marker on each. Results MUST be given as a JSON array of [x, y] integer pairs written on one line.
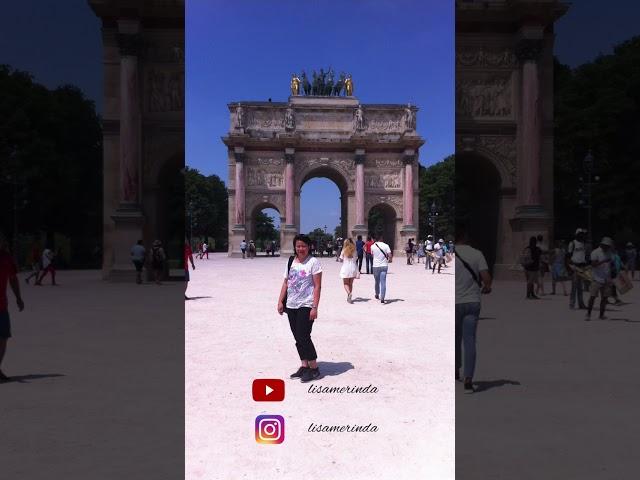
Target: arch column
[[239, 229], [288, 231], [128, 217], [360, 228], [408, 230]]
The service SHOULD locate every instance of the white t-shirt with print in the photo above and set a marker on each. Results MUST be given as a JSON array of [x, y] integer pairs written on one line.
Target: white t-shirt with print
[[467, 289], [300, 285], [601, 273], [379, 259], [577, 251]]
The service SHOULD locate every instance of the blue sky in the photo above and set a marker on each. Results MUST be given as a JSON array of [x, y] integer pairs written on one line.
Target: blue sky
[[397, 51]]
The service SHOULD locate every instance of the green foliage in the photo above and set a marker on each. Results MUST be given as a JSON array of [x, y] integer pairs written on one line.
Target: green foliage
[[437, 184], [50, 164], [597, 107], [317, 235], [265, 230], [206, 200]]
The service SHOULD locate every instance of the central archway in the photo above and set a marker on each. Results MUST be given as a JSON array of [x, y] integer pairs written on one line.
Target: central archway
[[382, 223], [478, 189]]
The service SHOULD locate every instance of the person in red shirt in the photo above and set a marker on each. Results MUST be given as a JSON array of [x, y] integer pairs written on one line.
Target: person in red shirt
[[8, 275], [368, 254], [188, 257]]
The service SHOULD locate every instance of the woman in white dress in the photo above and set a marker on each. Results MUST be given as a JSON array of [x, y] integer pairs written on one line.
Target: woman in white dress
[[349, 269]]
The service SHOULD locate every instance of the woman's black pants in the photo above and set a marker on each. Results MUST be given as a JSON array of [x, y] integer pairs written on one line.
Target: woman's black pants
[[301, 328]]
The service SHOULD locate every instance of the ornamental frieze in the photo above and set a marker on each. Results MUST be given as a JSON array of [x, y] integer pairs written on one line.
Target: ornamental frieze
[[166, 91], [486, 58], [385, 180], [484, 97]]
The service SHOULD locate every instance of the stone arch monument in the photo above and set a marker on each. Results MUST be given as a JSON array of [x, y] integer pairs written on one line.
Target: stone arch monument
[[369, 151], [504, 122], [143, 129]]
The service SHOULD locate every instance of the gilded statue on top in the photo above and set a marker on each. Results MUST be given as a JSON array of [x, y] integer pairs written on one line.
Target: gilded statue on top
[[295, 84], [348, 86]]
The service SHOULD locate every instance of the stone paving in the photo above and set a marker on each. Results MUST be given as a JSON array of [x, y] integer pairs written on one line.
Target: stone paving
[[98, 390], [404, 348], [558, 396]]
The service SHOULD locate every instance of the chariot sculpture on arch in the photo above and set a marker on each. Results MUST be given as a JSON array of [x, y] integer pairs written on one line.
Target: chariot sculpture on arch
[[323, 83]]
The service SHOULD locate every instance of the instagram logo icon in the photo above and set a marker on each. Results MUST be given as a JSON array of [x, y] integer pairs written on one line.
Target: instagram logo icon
[[269, 429]]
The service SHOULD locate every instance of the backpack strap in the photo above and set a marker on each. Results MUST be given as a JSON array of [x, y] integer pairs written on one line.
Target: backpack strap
[[468, 267], [291, 258]]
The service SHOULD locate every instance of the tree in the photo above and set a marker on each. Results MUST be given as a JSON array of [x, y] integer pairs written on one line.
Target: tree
[[206, 202], [319, 237], [597, 108], [265, 230], [437, 184], [50, 165]]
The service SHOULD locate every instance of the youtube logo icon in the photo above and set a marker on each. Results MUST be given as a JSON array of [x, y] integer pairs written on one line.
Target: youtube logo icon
[[268, 390]]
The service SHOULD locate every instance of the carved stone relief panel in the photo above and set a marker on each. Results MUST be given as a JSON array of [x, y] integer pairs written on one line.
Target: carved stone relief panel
[[165, 90], [343, 164], [387, 181], [264, 119], [489, 97], [385, 122], [258, 177], [485, 57]]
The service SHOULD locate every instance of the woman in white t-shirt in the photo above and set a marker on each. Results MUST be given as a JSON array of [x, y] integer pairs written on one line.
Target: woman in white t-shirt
[[349, 269], [300, 296]]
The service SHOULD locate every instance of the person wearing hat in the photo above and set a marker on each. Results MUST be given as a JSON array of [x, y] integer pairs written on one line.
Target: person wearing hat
[[601, 269], [438, 250], [157, 260], [428, 246], [631, 255], [576, 254]]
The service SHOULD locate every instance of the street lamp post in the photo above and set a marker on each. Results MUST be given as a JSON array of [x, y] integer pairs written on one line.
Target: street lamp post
[[432, 217], [586, 190]]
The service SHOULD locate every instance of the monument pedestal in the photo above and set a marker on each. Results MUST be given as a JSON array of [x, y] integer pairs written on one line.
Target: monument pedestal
[[530, 221], [238, 233], [129, 223], [286, 244], [359, 230]]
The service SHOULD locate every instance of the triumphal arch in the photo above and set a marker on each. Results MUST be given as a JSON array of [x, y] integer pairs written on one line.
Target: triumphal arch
[[143, 129], [369, 150], [504, 124]]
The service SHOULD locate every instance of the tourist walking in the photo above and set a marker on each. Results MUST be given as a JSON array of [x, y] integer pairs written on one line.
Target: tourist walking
[[158, 258], [472, 280], [188, 257], [300, 298], [36, 264], [530, 261], [138, 255], [368, 254], [338, 248], [349, 270], [8, 276], [601, 270], [544, 264], [576, 251], [429, 251], [382, 256], [360, 252], [252, 249], [631, 256], [243, 248], [205, 250], [409, 251], [438, 256], [420, 251], [48, 266], [559, 271]]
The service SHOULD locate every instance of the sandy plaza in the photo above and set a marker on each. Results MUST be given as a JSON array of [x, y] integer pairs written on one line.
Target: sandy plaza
[[234, 335]]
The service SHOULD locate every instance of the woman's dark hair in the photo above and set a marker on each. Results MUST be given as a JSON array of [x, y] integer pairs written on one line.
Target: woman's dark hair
[[532, 242], [303, 238]]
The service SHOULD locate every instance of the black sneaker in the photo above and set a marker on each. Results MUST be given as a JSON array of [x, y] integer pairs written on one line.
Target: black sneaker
[[299, 373], [377, 297], [468, 386], [310, 374]]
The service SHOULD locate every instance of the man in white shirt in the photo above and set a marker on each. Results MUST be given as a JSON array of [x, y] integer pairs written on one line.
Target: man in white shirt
[[576, 251], [472, 280], [429, 250], [439, 257], [381, 257], [601, 265], [205, 250]]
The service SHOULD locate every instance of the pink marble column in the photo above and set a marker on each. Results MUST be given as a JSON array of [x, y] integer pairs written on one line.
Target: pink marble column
[[239, 184], [528, 52], [408, 190], [128, 42], [359, 160], [289, 187]]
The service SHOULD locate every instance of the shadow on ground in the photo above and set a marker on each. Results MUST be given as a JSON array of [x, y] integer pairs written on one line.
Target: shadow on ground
[[331, 369], [27, 378], [489, 384]]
